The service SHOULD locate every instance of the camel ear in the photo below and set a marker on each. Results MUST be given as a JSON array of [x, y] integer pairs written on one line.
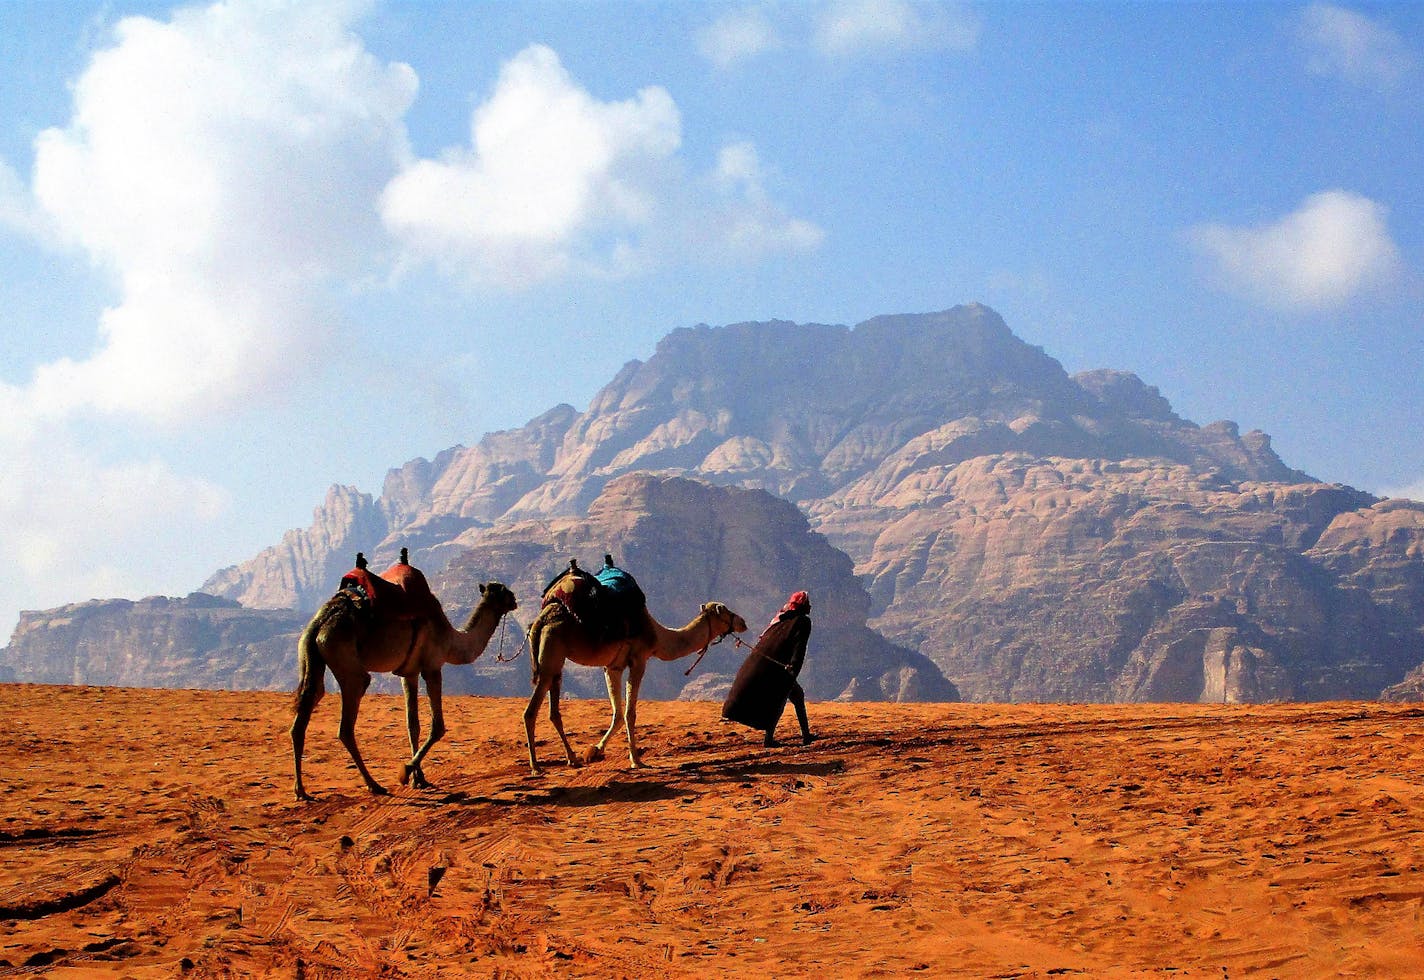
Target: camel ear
[[482, 588]]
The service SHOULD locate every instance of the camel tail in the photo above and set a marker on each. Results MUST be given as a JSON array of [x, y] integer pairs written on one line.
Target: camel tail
[[311, 683]]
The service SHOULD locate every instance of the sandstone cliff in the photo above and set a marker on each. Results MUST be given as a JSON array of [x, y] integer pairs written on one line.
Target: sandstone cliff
[[1029, 578], [688, 543], [200, 641]]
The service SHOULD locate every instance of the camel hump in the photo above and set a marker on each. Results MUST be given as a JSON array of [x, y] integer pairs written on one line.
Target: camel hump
[[410, 596]]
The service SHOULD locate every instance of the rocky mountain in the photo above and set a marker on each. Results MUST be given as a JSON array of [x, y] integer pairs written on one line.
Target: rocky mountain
[[1034, 534], [820, 415]]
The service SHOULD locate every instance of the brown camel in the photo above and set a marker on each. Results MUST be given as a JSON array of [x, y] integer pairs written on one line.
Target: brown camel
[[556, 636], [354, 645]]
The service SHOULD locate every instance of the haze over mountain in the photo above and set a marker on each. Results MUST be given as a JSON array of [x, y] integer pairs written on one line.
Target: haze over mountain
[[1036, 535]]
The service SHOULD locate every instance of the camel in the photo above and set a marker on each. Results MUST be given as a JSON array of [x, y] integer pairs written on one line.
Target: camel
[[556, 636], [354, 645]]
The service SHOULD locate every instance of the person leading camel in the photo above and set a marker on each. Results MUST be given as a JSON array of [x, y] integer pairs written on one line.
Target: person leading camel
[[768, 677]]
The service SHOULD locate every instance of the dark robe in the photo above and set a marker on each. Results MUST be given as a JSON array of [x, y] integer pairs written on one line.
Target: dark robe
[[768, 676]]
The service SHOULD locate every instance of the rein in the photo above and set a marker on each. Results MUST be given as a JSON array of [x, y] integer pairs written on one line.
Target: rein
[[499, 656], [709, 644]]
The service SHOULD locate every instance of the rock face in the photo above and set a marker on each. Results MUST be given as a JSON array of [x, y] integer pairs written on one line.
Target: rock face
[[688, 543], [1037, 536], [1052, 579], [199, 641]]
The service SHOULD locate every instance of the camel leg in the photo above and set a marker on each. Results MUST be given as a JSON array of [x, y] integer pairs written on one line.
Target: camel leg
[[531, 713], [613, 677], [556, 718], [437, 729], [410, 687], [306, 704], [352, 691], [630, 712]]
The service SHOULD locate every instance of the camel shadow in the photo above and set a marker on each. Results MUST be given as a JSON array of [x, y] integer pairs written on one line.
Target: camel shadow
[[734, 770], [649, 791]]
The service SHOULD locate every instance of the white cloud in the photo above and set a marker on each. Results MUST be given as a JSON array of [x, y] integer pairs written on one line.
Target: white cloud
[[751, 223], [737, 36], [1345, 44], [846, 28], [220, 167], [1335, 246], [549, 168], [557, 182]]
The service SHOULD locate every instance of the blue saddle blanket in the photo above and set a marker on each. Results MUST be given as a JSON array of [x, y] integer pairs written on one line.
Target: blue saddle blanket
[[620, 588]]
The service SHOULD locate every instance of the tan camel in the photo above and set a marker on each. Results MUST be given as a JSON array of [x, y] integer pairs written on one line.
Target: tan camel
[[354, 645], [556, 636]]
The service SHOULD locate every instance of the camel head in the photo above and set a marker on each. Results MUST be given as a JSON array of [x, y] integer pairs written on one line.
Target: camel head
[[723, 620], [499, 597]]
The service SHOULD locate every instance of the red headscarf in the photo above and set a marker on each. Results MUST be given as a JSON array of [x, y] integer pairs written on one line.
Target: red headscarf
[[799, 602]]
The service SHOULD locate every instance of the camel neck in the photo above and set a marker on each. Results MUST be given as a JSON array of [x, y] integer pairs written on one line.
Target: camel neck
[[472, 640], [674, 643]]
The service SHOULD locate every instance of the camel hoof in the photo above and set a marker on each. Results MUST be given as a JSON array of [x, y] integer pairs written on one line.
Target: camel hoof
[[406, 770], [378, 790], [592, 754], [304, 797]]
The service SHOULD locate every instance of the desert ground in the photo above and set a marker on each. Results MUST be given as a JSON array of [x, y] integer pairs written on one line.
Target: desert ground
[[154, 834]]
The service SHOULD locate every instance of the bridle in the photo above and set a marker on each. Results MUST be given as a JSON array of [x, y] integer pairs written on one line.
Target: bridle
[[711, 641], [499, 656]]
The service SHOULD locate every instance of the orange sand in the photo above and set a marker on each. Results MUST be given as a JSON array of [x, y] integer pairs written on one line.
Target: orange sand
[[153, 834]]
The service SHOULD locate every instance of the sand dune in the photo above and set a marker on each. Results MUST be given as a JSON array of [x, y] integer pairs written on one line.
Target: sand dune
[[153, 834]]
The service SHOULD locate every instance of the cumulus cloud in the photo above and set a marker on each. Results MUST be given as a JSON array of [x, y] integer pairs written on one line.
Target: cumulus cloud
[[1335, 246], [557, 182], [846, 28], [737, 36], [1345, 44], [549, 167], [219, 170], [219, 167]]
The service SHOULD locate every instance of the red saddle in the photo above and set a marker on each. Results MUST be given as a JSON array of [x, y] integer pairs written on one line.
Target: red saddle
[[400, 592]]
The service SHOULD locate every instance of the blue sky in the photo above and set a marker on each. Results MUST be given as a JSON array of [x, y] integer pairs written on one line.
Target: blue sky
[[251, 249]]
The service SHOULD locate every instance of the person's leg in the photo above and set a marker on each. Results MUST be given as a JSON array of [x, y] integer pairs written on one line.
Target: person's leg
[[798, 701]]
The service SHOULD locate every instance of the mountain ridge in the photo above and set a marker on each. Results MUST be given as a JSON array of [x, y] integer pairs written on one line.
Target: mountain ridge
[[1035, 535]]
